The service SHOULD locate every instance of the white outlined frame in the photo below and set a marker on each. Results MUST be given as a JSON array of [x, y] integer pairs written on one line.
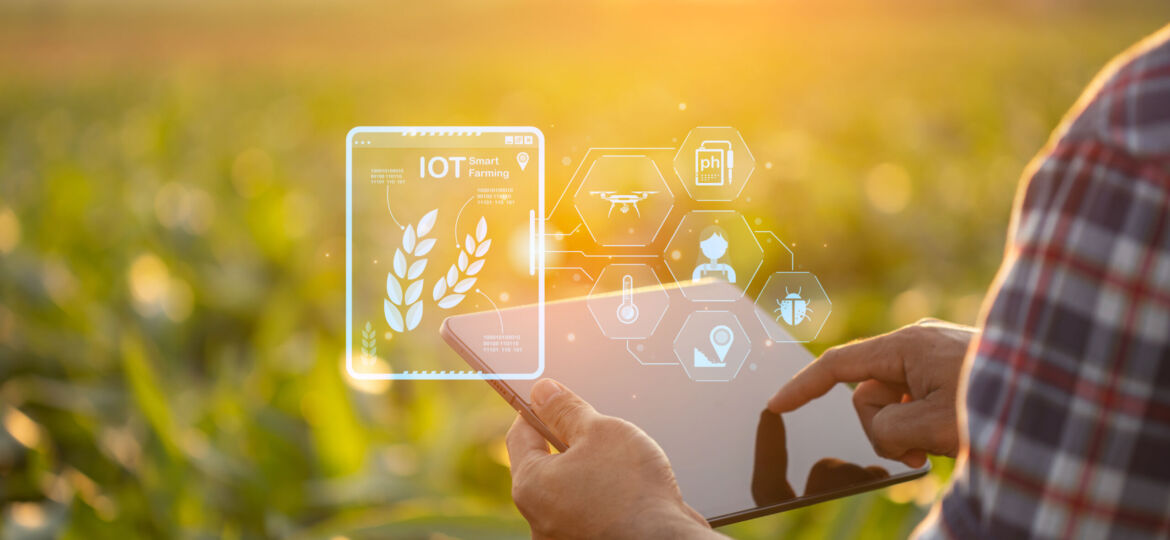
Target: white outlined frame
[[766, 322], [584, 160], [636, 355], [585, 180], [593, 293], [682, 359], [744, 287], [686, 181], [538, 253]]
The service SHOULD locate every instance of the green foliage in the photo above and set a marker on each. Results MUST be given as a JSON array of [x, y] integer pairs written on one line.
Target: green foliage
[[172, 238]]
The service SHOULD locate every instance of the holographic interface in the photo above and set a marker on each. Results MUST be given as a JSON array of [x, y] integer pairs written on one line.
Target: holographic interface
[[447, 221], [641, 217], [442, 221]]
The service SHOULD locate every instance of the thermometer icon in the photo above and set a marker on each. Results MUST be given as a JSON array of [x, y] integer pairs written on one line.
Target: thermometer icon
[[627, 312]]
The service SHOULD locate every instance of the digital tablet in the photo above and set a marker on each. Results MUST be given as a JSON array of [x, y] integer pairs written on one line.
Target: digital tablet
[[698, 385]]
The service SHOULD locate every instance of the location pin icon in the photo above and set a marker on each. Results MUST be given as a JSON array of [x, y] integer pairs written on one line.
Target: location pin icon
[[522, 159], [721, 339]]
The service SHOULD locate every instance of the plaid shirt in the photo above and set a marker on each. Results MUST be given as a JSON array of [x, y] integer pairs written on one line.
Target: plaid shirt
[[1067, 426]]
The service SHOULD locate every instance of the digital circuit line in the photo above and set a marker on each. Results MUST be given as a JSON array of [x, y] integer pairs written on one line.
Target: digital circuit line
[[591, 278], [459, 215], [619, 256], [388, 209], [791, 255], [643, 362], [570, 233], [494, 307]]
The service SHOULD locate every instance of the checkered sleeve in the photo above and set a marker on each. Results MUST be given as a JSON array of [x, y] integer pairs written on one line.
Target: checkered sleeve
[[1067, 417]]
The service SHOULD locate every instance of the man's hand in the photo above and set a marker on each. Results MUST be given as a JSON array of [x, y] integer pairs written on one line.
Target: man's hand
[[905, 398], [612, 482]]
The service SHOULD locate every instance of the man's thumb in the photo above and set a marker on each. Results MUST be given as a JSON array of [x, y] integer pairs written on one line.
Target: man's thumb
[[565, 414]]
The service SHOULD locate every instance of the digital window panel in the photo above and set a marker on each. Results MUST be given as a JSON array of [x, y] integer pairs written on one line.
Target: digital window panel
[[442, 221]]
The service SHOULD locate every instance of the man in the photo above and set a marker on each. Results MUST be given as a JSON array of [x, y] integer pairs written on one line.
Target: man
[[1060, 415]]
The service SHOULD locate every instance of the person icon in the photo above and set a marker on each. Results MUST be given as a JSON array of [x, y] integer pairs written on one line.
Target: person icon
[[714, 247]]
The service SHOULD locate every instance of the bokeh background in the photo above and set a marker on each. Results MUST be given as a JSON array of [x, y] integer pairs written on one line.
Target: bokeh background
[[171, 219]]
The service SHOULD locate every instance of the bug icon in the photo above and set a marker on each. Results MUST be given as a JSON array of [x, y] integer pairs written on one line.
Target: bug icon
[[793, 308]]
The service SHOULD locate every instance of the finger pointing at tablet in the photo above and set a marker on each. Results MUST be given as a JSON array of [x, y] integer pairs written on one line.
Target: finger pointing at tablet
[[908, 384], [875, 358]]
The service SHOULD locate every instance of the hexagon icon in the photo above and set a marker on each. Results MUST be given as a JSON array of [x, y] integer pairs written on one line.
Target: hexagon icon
[[623, 200], [793, 307], [627, 301], [714, 163], [714, 244], [712, 346]]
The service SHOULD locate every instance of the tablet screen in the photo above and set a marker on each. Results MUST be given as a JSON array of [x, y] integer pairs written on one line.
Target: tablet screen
[[733, 461]]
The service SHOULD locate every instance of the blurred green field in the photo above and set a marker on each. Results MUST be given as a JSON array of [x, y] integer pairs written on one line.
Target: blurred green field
[[171, 225]]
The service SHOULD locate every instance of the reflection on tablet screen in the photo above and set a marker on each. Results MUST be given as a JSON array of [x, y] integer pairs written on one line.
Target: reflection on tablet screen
[[770, 473]]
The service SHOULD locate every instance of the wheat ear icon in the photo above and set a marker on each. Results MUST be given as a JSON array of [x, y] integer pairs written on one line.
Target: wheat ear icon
[[403, 307], [460, 277], [369, 344]]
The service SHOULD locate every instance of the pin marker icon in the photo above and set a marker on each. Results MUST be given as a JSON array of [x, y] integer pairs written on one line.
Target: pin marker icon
[[522, 159], [721, 339]]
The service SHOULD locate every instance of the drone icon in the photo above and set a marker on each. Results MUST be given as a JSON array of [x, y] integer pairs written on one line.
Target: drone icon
[[626, 200]]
